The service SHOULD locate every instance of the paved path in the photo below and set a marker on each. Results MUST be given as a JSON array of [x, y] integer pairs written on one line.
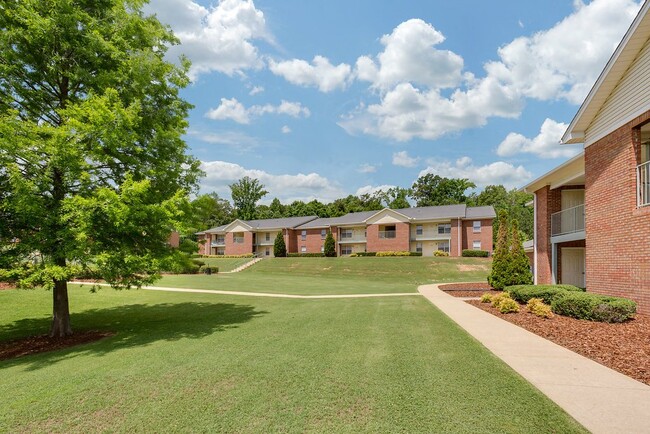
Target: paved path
[[263, 294], [601, 399]]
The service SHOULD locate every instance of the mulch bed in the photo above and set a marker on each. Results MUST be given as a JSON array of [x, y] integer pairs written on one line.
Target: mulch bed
[[41, 344], [623, 347], [5, 285], [466, 289]]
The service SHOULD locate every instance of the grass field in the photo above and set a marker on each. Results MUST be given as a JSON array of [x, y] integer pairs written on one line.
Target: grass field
[[317, 276], [211, 363]]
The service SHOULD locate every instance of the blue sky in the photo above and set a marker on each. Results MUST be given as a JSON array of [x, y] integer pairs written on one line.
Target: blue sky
[[321, 99]]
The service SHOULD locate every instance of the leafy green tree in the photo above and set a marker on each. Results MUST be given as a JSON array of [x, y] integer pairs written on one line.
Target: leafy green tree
[[277, 209], [434, 190], [329, 248], [93, 165], [209, 210], [518, 266], [279, 246], [498, 276], [245, 194], [513, 202], [395, 198]]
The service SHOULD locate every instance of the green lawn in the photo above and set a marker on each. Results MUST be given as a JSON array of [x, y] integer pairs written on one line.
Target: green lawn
[[209, 363], [317, 276]]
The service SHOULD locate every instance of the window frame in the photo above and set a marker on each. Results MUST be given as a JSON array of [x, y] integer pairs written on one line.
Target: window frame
[[474, 228]]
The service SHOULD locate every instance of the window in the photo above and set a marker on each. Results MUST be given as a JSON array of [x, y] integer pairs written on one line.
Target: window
[[418, 247], [238, 237], [303, 249], [346, 250], [267, 237], [267, 252], [444, 246], [444, 228], [323, 234], [418, 230], [303, 235], [476, 245], [346, 233], [476, 225]]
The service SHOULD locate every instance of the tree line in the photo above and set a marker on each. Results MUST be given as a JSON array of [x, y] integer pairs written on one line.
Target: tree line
[[211, 210]]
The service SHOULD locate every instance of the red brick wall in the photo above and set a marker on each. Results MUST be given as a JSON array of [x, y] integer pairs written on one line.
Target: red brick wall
[[290, 240], [204, 249], [313, 241], [618, 234], [454, 248], [233, 248], [401, 242], [468, 235]]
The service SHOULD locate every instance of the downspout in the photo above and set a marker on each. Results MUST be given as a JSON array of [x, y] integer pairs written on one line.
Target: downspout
[[535, 238]]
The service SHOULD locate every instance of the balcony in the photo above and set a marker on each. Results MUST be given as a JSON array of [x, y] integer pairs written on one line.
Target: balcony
[[387, 234], [643, 184], [218, 242], [351, 238], [568, 224]]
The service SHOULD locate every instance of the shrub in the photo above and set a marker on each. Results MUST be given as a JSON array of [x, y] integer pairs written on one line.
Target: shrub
[[245, 255], [305, 255], [498, 276], [415, 253], [496, 299], [508, 305], [329, 247], [475, 253], [279, 246], [593, 307], [210, 270], [523, 293], [537, 307], [486, 298], [440, 253], [390, 253], [361, 254]]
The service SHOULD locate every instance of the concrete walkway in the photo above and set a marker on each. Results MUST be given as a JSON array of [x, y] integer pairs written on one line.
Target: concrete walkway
[[262, 294], [601, 399]]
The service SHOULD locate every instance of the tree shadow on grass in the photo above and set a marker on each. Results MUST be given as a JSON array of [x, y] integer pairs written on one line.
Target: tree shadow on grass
[[135, 325]]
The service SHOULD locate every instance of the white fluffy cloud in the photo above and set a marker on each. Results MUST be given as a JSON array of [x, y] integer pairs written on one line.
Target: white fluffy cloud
[[369, 189], [410, 56], [559, 63], [545, 145], [255, 90], [219, 38], [234, 110], [403, 159], [564, 61], [320, 73], [367, 168], [220, 174], [285, 129], [498, 172]]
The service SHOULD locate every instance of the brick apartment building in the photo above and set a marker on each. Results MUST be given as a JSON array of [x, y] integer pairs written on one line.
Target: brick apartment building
[[450, 228], [592, 213]]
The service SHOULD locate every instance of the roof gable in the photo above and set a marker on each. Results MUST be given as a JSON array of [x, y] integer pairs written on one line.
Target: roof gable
[[387, 215]]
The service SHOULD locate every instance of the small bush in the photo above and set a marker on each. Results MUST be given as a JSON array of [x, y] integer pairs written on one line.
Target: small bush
[[305, 255], [363, 254], [523, 293], [537, 307], [508, 305], [593, 307], [475, 253], [391, 253], [415, 254], [496, 299], [440, 253], [486, 298], [210, 270], [245, 255]]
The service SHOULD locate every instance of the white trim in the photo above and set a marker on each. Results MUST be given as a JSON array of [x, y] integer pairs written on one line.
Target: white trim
[[610, 129], [243, 223], [568, 181], [388, 210]]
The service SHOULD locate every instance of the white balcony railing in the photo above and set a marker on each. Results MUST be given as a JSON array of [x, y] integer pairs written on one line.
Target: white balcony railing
[[387, 234], [218, 242], [568, 221], [643, 184]]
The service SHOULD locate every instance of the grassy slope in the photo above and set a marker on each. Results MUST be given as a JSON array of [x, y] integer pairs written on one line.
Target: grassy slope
[[199, 362], [225, 264], [315, 276]]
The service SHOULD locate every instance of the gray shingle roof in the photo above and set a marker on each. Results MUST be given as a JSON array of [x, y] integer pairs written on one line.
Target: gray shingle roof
[[480, 212], [434, 212], [288, 222]]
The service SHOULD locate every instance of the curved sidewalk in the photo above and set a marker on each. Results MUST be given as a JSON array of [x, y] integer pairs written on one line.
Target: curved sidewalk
[[601, 399]]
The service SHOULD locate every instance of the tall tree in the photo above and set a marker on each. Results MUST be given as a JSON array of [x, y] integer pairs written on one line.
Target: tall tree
[[395, 197], [94, 170], [329, 247], [434, 190], [518, 266], [498, 276], [279, 246], [245, 194], [209, 210], [513, 202]]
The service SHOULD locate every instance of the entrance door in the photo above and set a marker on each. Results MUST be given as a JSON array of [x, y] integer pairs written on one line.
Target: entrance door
[[573, 266]]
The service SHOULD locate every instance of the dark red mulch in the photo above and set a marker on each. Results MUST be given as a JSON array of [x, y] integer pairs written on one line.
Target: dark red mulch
[[466, 289], [41, 344], [623, 347], [5, 285]]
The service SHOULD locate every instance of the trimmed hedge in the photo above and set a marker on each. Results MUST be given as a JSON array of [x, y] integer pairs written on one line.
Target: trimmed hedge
[[305, 255], [593, 307], [245, 255], [210, 270], [391, 253], [523, 293], [440, 253], [475, 253]]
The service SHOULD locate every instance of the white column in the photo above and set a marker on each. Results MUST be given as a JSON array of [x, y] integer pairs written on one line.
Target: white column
[[553, 263]]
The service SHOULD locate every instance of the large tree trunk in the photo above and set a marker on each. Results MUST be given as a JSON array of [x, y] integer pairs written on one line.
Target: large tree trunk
[[61, 311]]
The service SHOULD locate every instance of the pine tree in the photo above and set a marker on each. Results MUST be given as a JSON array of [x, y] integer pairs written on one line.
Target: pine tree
[[279, 247], [498, 277], [518, 266], [330, 246]]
